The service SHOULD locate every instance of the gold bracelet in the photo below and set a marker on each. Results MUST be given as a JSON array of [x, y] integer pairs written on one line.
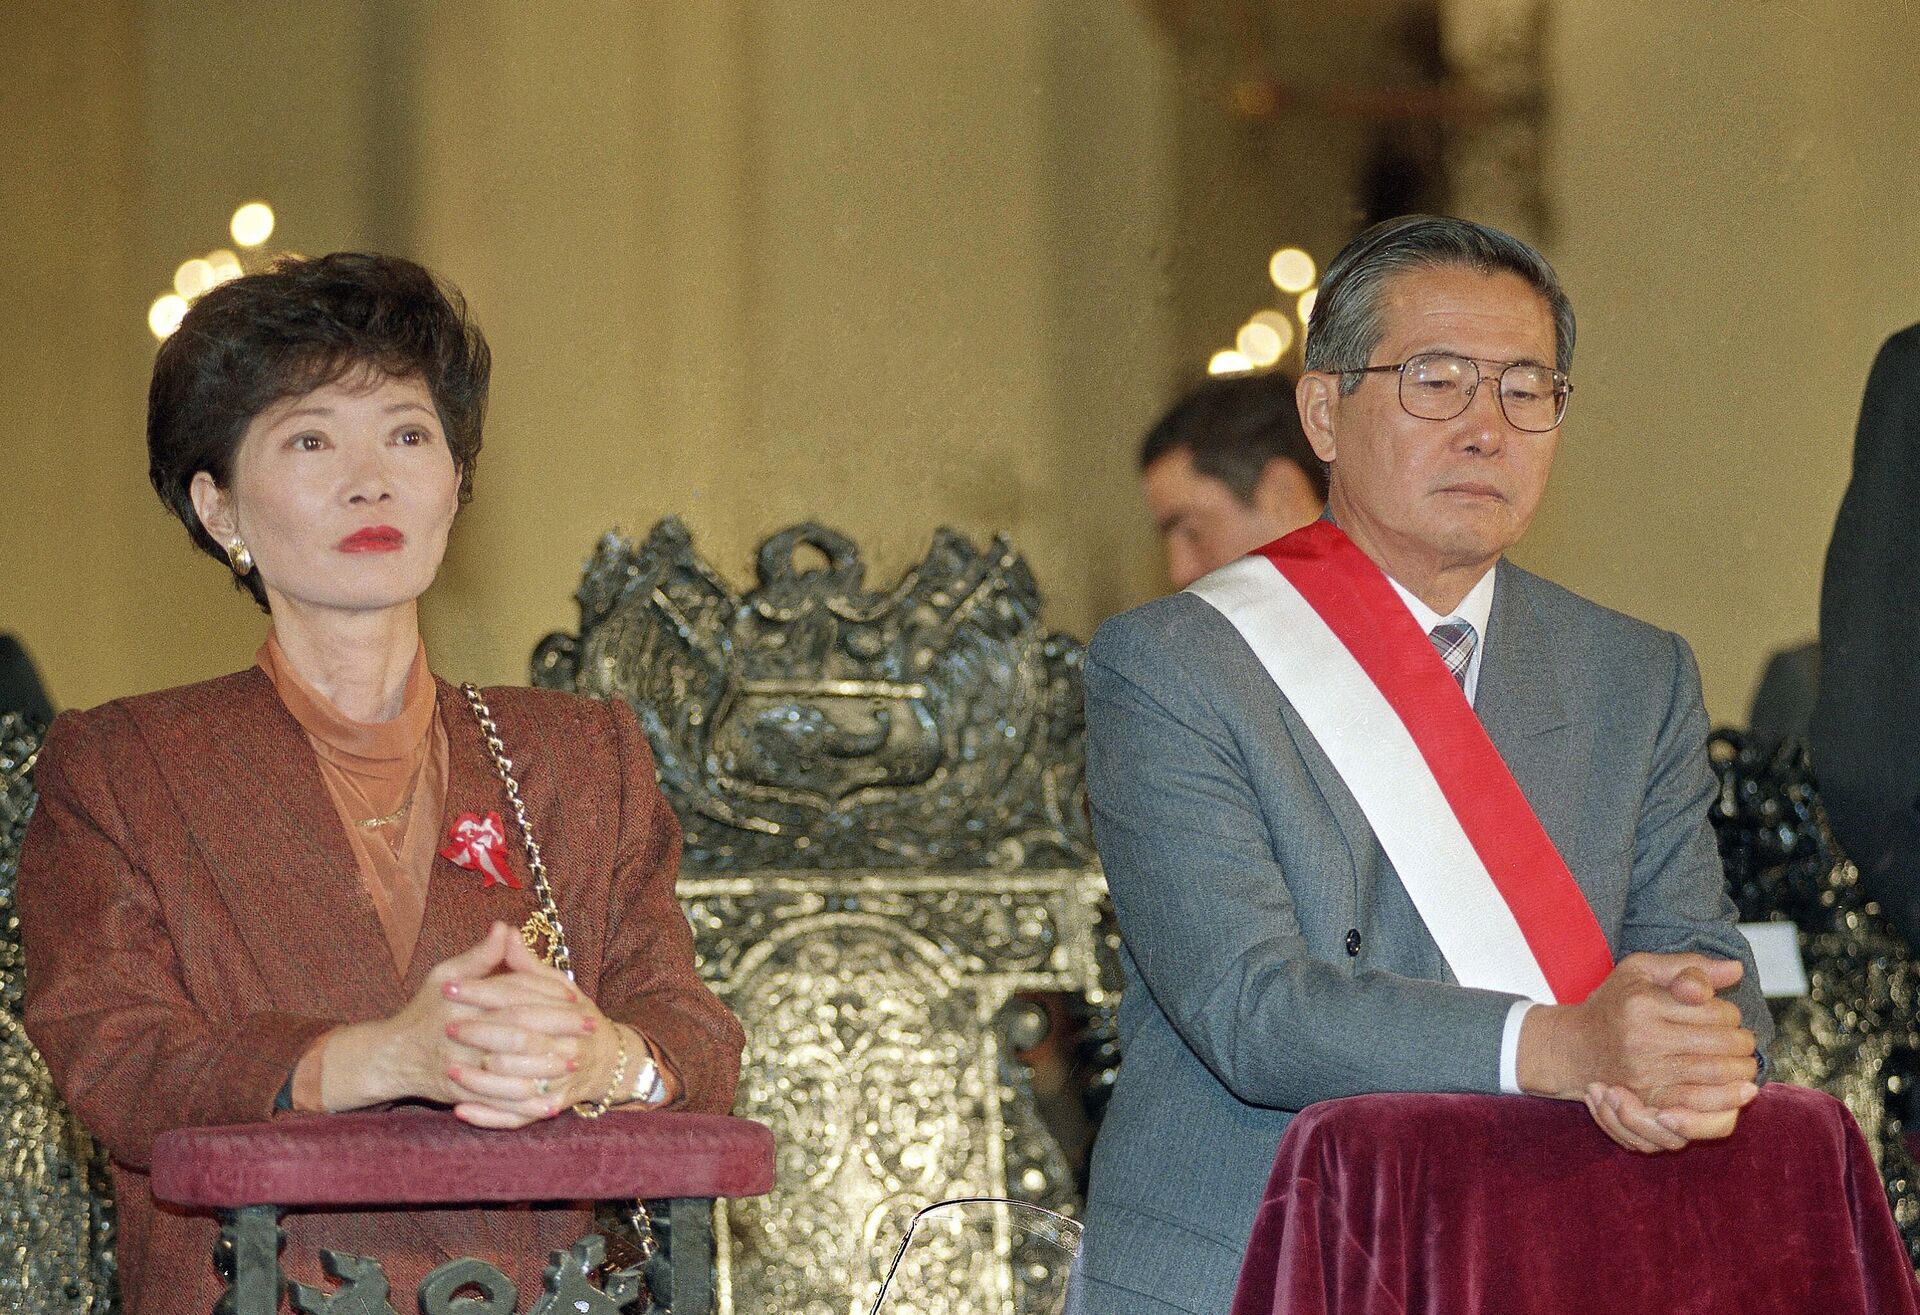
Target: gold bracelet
[[594, 1109]]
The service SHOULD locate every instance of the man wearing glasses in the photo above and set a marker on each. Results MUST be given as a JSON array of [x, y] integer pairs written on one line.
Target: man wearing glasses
[[1381, 811]]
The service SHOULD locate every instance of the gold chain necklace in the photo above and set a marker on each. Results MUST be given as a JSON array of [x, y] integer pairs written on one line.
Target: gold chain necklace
[[388, 819], [385, 819]]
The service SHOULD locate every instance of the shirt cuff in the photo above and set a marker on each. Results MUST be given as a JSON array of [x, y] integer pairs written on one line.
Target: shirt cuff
[[1510, 1048]]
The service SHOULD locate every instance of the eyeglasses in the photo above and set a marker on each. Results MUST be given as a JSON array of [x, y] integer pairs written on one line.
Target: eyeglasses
[[1440, 386], [953, 1248]]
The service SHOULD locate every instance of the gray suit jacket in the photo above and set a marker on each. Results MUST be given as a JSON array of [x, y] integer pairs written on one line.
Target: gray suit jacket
[[1241, 868]]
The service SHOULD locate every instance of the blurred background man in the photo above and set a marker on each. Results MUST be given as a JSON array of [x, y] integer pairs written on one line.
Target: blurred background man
[[1228, 469]]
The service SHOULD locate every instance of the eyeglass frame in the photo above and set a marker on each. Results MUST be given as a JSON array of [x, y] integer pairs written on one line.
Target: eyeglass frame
[[1069, 1227], [1563, 387]]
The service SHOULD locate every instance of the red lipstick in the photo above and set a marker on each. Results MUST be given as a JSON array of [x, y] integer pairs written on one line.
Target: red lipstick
[[375, 538]]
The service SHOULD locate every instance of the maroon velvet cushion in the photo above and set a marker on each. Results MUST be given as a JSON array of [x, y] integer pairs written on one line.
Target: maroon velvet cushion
[[415, 1156], [1448, 1205]]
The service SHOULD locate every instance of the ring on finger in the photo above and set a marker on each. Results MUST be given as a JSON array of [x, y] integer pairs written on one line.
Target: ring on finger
[[540, 1086]]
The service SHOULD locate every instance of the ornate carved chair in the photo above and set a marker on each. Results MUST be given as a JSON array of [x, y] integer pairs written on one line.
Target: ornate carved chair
[[886, 841], [1856, 1033], [56, 1225]]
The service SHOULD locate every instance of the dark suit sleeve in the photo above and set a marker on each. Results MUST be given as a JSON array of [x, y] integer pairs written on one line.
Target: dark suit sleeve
[[1866, 732], [20, 687], [649, 981], [129, 1049], [1209, 917], [1678, 901]]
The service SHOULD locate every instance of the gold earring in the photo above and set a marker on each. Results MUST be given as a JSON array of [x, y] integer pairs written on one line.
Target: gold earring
[[238, 557]]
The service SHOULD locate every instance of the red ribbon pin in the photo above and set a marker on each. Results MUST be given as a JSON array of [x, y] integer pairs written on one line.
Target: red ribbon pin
[[479, 844]]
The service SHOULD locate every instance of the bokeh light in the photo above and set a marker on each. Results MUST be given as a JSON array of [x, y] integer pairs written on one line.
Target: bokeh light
[[1281, 325], [1229, 362], [193, 278], [253, 223], [1259, 343], [1307, 299], [164, 316], [1291, 269]]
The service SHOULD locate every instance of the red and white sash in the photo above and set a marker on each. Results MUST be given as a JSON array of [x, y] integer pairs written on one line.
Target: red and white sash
[[1340, 643]]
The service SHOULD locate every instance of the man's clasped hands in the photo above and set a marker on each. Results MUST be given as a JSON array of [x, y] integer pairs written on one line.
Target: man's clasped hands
[[1657, 1056]]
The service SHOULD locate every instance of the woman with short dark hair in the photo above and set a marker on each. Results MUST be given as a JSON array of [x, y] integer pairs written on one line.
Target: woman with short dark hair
[[258, 341], [292, 888]]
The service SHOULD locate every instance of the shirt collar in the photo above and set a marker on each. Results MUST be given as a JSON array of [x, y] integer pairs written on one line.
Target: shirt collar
[[1474, 609], [390, 748]]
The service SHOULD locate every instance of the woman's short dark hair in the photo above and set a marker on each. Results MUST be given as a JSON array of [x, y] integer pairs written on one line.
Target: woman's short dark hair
[[303, 324]]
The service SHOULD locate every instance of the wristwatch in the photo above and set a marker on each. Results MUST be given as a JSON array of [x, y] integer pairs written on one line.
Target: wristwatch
[[647, 1087]]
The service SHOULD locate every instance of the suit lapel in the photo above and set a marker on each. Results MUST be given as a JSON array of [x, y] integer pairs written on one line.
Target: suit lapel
[[1521, 701], [460, 907], [1348, 818], [270, 835]]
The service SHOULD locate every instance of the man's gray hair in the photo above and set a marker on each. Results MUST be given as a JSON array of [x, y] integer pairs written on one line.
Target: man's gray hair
[[1345, 327]]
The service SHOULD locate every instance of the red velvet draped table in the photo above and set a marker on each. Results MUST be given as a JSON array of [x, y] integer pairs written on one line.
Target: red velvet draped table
[[414, 1157], [1450, 1205]]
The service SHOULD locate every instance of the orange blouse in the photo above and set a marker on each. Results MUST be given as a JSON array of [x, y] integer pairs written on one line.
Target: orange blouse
[[388, 781]]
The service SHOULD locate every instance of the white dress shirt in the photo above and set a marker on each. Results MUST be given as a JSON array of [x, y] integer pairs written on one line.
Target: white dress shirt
[[1475, 609]]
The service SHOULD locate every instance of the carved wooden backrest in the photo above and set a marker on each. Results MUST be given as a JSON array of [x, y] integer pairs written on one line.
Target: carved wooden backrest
[[886, 839]]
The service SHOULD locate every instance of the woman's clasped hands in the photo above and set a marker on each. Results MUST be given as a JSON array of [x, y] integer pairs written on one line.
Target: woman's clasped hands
[[502, 1037]]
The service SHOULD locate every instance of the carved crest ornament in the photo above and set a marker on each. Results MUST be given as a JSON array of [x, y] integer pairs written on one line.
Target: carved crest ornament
[[882, 794], [814, 723]]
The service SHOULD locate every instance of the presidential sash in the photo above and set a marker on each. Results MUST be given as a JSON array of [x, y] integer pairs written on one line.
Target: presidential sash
[[1331, 631]]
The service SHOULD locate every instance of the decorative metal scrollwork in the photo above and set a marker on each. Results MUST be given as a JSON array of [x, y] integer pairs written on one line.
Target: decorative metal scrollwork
[[465, 1286], [363, 1288], [875, 1004], [445, 1290], [1856, 1034], [569, 1287]]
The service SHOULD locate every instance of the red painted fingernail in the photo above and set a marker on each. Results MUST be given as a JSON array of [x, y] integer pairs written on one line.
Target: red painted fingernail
[[453, 1031], [573, 1066], [586, 1025], [453, 1072], [450, 989], [552, 1110]]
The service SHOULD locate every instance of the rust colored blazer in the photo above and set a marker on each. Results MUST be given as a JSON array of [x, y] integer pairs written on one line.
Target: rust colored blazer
[[193, 918]]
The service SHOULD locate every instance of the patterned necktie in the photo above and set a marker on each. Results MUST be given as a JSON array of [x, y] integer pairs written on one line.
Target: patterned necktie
[[1454, 640]]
